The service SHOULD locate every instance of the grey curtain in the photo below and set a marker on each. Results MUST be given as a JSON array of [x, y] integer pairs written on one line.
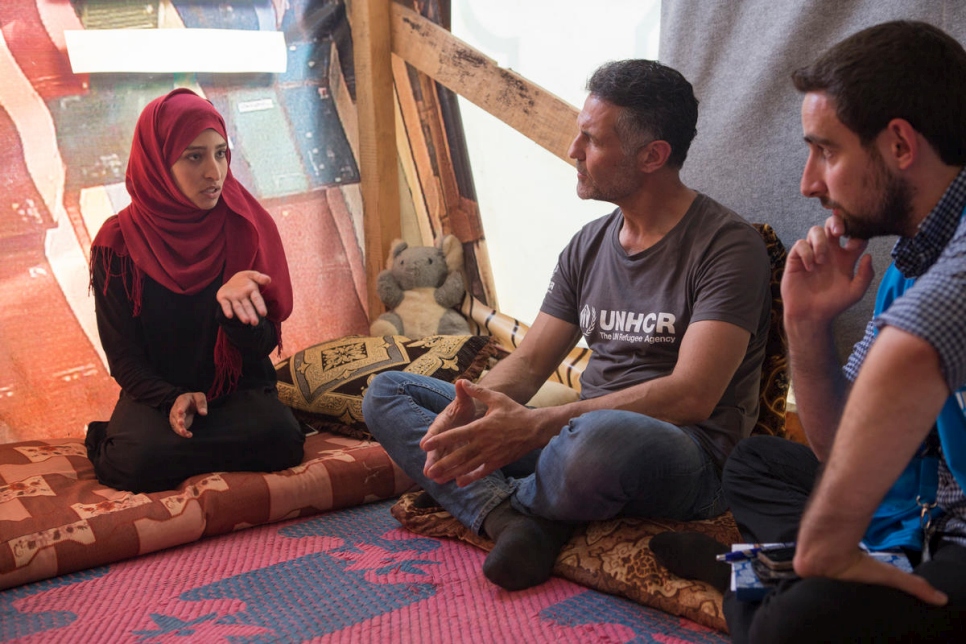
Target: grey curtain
[[749, 152]]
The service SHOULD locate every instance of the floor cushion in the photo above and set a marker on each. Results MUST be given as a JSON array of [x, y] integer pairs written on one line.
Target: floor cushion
[[55, 517], [610, 556]]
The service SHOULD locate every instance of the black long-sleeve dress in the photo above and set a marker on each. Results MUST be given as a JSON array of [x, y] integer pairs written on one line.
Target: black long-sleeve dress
[[168, 350]]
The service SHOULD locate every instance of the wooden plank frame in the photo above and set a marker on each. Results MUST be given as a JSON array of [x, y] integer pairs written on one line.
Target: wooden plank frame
[[536, 113], [383, 26]]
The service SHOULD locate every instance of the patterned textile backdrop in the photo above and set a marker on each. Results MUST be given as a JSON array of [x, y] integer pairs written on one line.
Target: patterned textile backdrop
[[347, 576]]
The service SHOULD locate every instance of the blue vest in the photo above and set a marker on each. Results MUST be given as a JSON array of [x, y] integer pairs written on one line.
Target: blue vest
[[897, 520]]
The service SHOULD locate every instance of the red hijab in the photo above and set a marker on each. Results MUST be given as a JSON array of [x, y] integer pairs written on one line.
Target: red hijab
[[164, 235]]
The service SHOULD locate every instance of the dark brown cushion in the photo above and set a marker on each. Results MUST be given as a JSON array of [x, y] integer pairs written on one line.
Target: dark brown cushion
[[324, 384], [774, 369]]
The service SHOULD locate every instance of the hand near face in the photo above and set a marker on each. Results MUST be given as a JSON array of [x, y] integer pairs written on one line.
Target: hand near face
[[183, 412], [241, 296], [822, 276], [461, 446]]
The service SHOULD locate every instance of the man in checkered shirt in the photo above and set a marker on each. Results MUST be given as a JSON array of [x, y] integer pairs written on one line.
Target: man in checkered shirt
[[884, 119]]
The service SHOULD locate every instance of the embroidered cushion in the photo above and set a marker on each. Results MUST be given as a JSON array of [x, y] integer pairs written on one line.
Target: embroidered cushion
[[324, 384]]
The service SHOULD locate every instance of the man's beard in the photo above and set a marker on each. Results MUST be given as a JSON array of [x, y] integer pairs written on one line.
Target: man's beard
[[893, 210], [621, 182]]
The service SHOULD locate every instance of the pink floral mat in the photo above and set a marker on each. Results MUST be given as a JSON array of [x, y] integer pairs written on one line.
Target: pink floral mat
[[348, 576]]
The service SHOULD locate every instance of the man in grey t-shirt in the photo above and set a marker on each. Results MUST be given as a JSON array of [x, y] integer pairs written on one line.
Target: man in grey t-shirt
[[634, 311], [670, 291]]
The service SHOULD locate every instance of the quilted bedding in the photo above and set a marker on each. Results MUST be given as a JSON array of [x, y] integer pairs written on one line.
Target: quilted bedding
[[55, 518]]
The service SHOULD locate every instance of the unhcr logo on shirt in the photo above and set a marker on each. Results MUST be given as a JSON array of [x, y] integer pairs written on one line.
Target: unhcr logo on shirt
[[588, 320], [629, 326]]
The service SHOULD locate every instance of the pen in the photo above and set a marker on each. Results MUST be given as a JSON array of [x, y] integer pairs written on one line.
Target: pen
[[739, 555], [750, 553]]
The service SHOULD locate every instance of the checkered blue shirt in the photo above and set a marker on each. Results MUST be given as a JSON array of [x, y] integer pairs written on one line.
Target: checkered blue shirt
[[934, 309]]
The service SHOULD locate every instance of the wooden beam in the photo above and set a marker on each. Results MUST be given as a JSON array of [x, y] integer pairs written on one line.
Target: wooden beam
[[539, 115], [343, 101], [378, 163], [423, 180]]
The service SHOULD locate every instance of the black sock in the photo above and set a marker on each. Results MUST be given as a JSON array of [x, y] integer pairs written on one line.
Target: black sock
[[424, 501], [691, 555], [525, 547]]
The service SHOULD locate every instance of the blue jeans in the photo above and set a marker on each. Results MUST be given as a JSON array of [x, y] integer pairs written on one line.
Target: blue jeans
[[602, 464]]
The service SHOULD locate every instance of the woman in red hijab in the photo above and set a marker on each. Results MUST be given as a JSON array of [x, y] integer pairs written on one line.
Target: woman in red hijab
[[190, 287]]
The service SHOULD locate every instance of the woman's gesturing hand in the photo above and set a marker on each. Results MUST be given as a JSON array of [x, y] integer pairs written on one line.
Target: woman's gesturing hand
[[241, 296]]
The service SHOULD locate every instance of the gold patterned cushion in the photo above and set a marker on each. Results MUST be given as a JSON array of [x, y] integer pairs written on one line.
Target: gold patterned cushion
[[324, 384], [611, 556]]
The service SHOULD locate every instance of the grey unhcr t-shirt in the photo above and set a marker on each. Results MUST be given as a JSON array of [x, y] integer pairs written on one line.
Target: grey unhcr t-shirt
[[633, 310]]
